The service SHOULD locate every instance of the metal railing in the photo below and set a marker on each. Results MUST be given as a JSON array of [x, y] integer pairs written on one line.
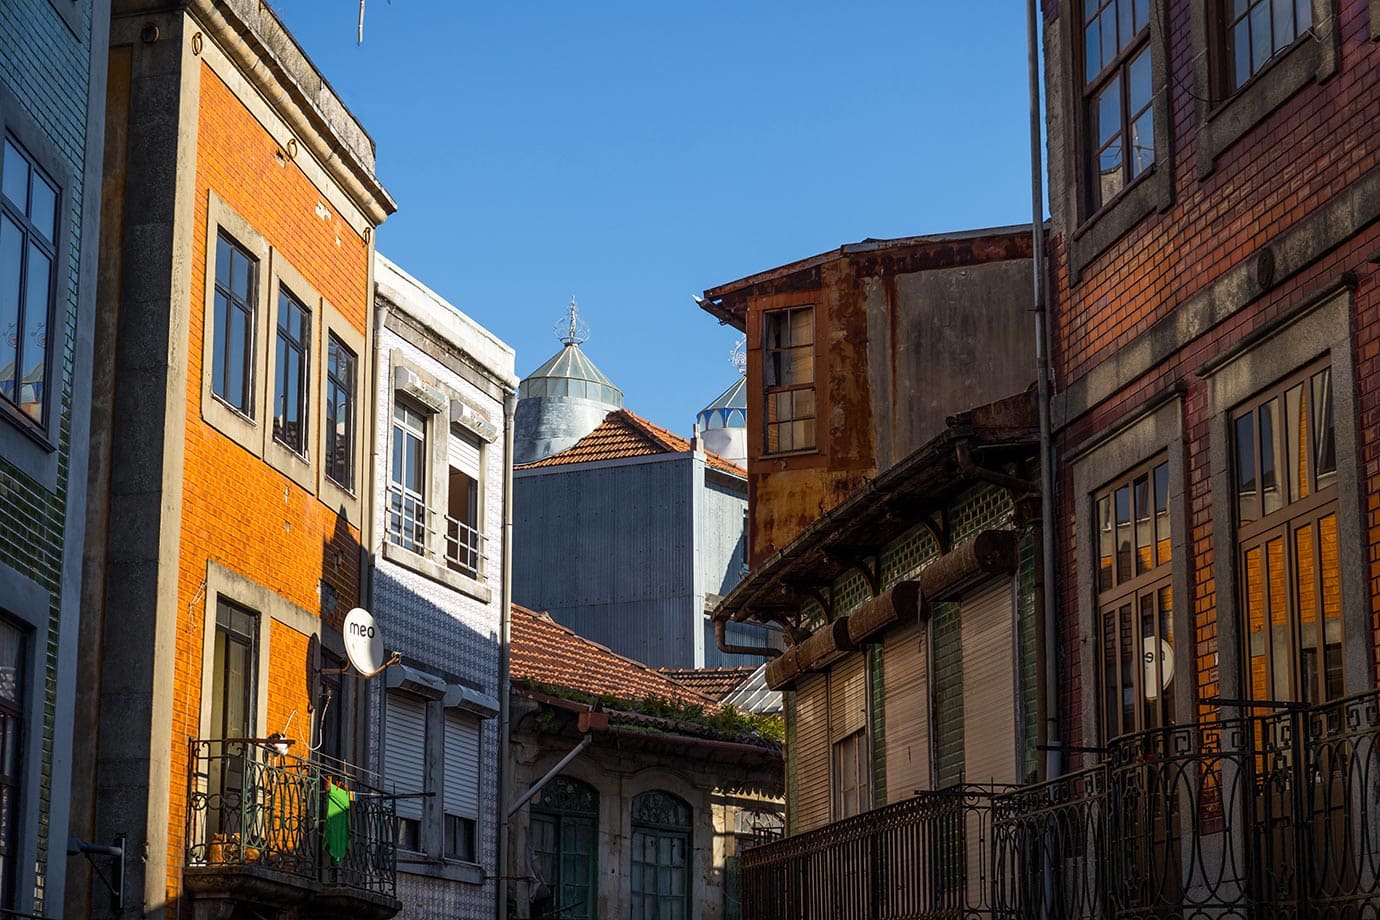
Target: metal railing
[[1255, 817], [415, 526], [248, 805], [927, 856]]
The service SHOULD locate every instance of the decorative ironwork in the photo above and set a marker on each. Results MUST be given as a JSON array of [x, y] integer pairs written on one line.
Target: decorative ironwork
[[1255, 817], [248, 805], [660, 809], [569, 796]]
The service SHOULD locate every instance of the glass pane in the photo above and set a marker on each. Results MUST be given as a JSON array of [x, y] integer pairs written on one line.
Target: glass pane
[[1109, 42], [11, 256], [1126, 26], [802, 327], [43, 207], [34, 352], [1123, 534], [801, 366], [1111, 667], [1142, 14], [1269, 482], [1145, 546], [1324, 436], [10, 651], [1142, 143], [1139, 81], [1260, 36], [223, 261], [1284, 23], [15, 173], [1241, 51], [1295, 442], [237, 360], [1257, 638], [1247, 507], [804, 404], [1303, 15], [1330, 567], [1164, 550], [1306, 599], [1166, 605], [1092, 49], [775, 330], [1110, 178], [1108, 109], [1281, 642], [1103, 518], [1130, 660]]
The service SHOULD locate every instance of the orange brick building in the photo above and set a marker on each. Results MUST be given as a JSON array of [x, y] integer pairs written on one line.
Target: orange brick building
[[234, 358], [1215, 188]]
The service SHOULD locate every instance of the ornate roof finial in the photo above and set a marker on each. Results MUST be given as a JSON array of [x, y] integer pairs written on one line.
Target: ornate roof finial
[[738, 356], [571, 330]]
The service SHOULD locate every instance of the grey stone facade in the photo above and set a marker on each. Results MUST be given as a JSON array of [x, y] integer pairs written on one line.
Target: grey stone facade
[[52, 63]]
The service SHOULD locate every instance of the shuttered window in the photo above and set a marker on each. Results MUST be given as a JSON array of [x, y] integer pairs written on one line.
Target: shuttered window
[[464, 452], [948, 694], [989, 687], [848, 735], [906, 701], [810, 755], [404, 751], [461, 792]]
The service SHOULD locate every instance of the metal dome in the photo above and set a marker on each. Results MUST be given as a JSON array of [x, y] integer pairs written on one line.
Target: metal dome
[[569, 372], [729, 410]]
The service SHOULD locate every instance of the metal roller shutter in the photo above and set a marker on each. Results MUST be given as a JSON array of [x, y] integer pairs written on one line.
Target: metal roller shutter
[[906, 701], [848, 696], [404, 750], [989, 687], [462, 765], [464, 452], [810, 753]]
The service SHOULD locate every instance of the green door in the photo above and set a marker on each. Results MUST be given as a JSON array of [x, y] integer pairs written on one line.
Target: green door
[[660, 857], [565, 820]]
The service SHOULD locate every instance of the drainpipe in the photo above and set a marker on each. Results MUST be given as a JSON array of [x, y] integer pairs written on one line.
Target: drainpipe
[[1054, 756], [505, 631], [721, 639]]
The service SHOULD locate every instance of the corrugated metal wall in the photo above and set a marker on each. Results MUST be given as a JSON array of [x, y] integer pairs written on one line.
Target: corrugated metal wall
[[608, 551], [722, 546]]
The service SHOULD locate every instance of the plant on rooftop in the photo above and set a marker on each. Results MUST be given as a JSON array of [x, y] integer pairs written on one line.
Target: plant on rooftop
[[722, 721]]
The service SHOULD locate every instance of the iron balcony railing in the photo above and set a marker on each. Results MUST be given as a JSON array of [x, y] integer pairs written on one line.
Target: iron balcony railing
[[248, 805], [1254, 817], [412, 524]]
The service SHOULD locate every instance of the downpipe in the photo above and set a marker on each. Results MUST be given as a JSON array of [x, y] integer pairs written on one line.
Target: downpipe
[[505, 633]]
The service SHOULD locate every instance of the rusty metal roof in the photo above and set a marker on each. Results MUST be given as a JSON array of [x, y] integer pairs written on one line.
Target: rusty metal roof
[[623, 434]]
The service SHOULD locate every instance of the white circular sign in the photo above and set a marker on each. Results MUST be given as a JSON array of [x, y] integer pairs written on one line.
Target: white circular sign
[[1157, 648], [363, 641]]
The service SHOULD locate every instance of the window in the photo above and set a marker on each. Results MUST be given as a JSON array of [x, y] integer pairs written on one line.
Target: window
[[1285, 493], [237, 279], [789, 375], [460, 795], [1135, 600], [29, 209], [11, 735], [407, 511], [463, 538], [234, 694], [565, 819], [1257, 30], [404, 763], [852, 771], [341, 368], [291, 355], [1117, 95], [660, 857], [330, 724]]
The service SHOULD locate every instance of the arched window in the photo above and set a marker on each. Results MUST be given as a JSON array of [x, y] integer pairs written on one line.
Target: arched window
[[565, 819], [660, 857]]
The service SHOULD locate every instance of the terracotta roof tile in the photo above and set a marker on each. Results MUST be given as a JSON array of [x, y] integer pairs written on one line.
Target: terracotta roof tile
[[625, 434], [545, 652], [713, 682]]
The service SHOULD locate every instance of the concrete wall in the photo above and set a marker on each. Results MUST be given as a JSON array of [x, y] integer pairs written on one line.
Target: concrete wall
[[52, 65], [446, 628]]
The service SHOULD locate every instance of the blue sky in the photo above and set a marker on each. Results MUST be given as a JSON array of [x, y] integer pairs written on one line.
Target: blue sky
[[634, 154]]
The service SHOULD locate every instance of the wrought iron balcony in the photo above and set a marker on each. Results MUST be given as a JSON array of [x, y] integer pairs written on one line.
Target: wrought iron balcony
[[267, 825], [418, 528], [1250, 818]]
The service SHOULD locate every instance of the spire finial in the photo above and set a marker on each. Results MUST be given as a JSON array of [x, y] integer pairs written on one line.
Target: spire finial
[[738, 356], [571, 330]]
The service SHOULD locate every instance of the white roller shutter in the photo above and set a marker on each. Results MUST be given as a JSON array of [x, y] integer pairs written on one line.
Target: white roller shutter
[[404, 750], [464, 452], [810, 751], [462, 765], [989, 686], [906, 713]]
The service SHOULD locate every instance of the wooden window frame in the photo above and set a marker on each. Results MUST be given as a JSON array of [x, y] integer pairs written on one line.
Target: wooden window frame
[[561, 814], [1091, 86], [1284, 524], [302, 347], [250, 306], [338, 460], [772, 390], [1224, 26]]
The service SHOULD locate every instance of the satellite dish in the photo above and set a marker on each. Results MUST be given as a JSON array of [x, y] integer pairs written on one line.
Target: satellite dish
[[364, 642]]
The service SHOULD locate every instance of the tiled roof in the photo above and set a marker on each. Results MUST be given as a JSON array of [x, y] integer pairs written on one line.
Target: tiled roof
[[545, 652], [712, 682], [623, 434]]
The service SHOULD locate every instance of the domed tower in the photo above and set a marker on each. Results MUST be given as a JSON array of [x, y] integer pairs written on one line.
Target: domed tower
[[564, 399], [723, 423]]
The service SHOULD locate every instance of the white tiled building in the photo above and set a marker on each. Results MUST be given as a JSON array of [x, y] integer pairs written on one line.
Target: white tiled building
[[436, 589]]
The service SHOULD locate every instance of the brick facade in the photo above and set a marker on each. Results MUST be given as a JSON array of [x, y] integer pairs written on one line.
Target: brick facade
[[1250, 233]]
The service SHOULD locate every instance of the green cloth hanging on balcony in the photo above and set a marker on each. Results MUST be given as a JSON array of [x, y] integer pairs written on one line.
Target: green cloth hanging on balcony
[[338, 800]]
